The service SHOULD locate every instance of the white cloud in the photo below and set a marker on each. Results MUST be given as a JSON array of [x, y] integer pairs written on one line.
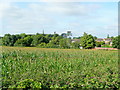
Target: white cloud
[[3, 7], [70, 9], [38, 16], [17, 20]]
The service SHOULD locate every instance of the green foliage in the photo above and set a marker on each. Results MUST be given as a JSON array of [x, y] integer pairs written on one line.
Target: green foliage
[[51, 44], [9, 40], [49, 37], [42, 45], [20, 42], [23, 35], [87, 41], [107, 46], [59, 68], [28, 40], [37, 39], [98, 44], [65, 43], [64, 35], [116, 42], [1, 42], [76, 37], [27, 84], [95, 37], [75, 45], [101, 44]]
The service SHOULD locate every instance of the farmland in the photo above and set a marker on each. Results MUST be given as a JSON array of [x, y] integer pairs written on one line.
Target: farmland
[[31, 67]]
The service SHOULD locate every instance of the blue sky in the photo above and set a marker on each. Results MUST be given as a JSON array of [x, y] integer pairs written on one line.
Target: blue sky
[[96, 18]]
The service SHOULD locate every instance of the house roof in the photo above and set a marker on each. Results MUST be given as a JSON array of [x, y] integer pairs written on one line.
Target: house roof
[[99, 39], [107, 39], [103, 39], [75, 40]]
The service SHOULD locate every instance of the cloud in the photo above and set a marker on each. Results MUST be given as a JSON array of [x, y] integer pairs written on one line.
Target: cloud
[[17, 20], [59, 17], [3, 7], [40, 15], [70, 8]]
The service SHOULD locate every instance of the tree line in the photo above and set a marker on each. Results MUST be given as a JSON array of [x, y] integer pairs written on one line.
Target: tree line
[[87, 41]]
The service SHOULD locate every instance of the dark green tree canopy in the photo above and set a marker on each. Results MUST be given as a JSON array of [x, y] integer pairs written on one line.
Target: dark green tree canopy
[[116, 42], [37, 39], [65, 43], [87, 41]]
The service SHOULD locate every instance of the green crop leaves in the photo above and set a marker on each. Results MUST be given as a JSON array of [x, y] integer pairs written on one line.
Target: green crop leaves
[[59, 68]]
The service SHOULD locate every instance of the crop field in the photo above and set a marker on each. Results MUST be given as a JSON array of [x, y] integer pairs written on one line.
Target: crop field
[[30, 67]]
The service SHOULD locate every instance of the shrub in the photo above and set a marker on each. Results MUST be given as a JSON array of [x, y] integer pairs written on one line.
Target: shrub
[[27, 84]]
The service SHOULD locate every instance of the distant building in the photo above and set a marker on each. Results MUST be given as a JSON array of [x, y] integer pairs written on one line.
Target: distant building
[[106, 40], [99, 39], [64, 35], [55, 33], [69, 34], [75, 40]]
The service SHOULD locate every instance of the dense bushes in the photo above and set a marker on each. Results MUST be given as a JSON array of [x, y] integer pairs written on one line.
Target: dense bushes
[[87, 41], [116, 42]]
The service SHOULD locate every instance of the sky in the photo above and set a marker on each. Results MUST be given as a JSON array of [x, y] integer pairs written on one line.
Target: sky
[[96, 18]]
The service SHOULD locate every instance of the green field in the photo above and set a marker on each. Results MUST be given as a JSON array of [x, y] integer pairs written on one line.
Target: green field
[[29, 67]]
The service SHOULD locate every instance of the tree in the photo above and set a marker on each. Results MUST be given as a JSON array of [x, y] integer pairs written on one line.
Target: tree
[[64, 43], [102, 42], [76, 37], [13, 40], [87, 41], [95, 37], [116, 42], [57, 40], [9, 40], [0, 41], [52, 45], [20, 42], [28, 40], [42, 45], [98, 44], [49, 37], [54, 36], [64, 35], [24, 42], [6, 39], [75, 45], [112, 37], [18, 36], [37, 39], [23, 35]]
